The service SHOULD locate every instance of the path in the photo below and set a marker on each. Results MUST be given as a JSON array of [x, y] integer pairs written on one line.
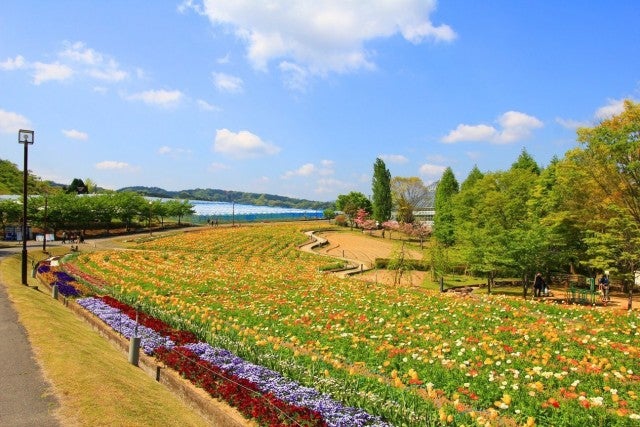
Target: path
[[25, 396]]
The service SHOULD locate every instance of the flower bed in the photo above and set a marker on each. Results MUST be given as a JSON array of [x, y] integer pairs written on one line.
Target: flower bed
[[256, 391], [409, 356]]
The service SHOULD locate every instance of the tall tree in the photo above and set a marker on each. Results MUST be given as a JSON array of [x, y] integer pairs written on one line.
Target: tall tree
[[381, 187], [443, 224], [526, 162]]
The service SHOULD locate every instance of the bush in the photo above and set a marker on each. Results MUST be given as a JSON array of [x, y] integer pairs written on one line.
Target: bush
[[341, 220], [407, 264]]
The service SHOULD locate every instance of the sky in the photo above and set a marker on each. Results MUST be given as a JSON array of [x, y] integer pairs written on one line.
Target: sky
[[299, 98]]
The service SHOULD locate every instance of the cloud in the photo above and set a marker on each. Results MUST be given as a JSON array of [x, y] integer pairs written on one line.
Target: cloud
[[12, 122], [514, 126], [243, 144], [331, 186], [160, 98], [13, 64], [227, 83], [100, 66], [432, 171], [326, 167], [316, 38], [205, 106], [304, 170], [165, 150], [571, 124], [613, 108], [47, 72], [114, 165], [394, 158], [216, 166], [75, 134]]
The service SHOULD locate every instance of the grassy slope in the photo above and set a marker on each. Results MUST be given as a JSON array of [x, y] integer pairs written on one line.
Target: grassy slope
[[92, 380]]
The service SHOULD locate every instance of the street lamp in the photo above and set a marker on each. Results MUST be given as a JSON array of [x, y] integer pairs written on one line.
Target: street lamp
[[44, 241], [25, 137]]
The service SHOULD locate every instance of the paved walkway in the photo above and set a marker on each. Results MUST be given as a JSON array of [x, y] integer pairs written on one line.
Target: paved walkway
[[24, 396]]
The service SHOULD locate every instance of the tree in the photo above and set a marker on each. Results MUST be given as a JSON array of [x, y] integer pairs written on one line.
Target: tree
[[77, 186], [410, 191], [526, 162], [612, 154], [443, 224], [178, 208], [350, 203], [381, 187]]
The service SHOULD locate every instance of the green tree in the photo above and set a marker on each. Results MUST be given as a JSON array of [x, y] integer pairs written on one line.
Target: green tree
[[77, 186], [178, 208], [526, 162], [381, 187], [350, 203], [444, 220]]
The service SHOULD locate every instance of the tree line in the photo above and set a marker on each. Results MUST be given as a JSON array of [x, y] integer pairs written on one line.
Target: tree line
[[71, 211], [578, 215]]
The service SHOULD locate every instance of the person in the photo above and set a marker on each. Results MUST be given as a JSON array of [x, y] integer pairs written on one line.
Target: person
[[603, 287], [538, 285]]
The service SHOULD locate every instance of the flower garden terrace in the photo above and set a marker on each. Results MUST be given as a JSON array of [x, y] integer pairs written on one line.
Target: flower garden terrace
[[411, 356]]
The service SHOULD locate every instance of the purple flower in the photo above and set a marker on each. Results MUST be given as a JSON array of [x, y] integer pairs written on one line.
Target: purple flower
[[334, 413], [123, 324]]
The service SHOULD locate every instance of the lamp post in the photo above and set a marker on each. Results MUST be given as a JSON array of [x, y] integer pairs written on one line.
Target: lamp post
[[44, 241], [25, 137]]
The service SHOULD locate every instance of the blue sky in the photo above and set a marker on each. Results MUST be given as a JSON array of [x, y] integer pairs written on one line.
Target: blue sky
[[298, 98]]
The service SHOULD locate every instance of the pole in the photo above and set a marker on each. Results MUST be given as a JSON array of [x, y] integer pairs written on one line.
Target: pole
[[24, 215], [44, 241]]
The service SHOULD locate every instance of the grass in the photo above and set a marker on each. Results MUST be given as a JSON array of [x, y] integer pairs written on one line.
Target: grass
[[92, 380]]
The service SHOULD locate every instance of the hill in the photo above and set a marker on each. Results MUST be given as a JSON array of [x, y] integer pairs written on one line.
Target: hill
[[11, 184], [11, 181], [216, 195]]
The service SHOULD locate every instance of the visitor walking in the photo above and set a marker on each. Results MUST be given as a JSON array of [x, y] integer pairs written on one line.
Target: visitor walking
[[603, 287]]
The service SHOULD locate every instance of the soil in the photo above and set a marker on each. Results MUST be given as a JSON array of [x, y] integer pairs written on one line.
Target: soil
[[365, 248]]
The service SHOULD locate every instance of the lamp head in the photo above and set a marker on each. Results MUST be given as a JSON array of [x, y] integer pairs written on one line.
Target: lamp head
[[25, 136]]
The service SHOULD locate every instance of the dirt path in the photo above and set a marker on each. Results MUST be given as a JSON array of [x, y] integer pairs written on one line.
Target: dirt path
[[365, 248]]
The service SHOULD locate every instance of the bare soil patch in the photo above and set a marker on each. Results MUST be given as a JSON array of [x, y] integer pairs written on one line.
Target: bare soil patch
[[363, 247]]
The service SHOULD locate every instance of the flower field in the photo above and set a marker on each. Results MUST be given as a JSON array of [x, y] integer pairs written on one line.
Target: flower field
[[409, 356]]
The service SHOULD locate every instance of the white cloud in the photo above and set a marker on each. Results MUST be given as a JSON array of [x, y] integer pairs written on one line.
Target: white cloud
[[161, 98], [12, 122], [242, 144], [227, 83], [100, 66], [205, 106], [79, 53], [514, 126], [46, 72], [315, 38], [571, 124], [432, 171], [613, 108], [304, 170], [326, 168], [394, 158], [331, 186], [114, 165], [470, 133], [75, 134], [171, 151], [216, 166], [13, 64]]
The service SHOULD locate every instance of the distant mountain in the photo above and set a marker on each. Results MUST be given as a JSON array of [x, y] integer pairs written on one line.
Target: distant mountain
[[214, 195], [11, 184]]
